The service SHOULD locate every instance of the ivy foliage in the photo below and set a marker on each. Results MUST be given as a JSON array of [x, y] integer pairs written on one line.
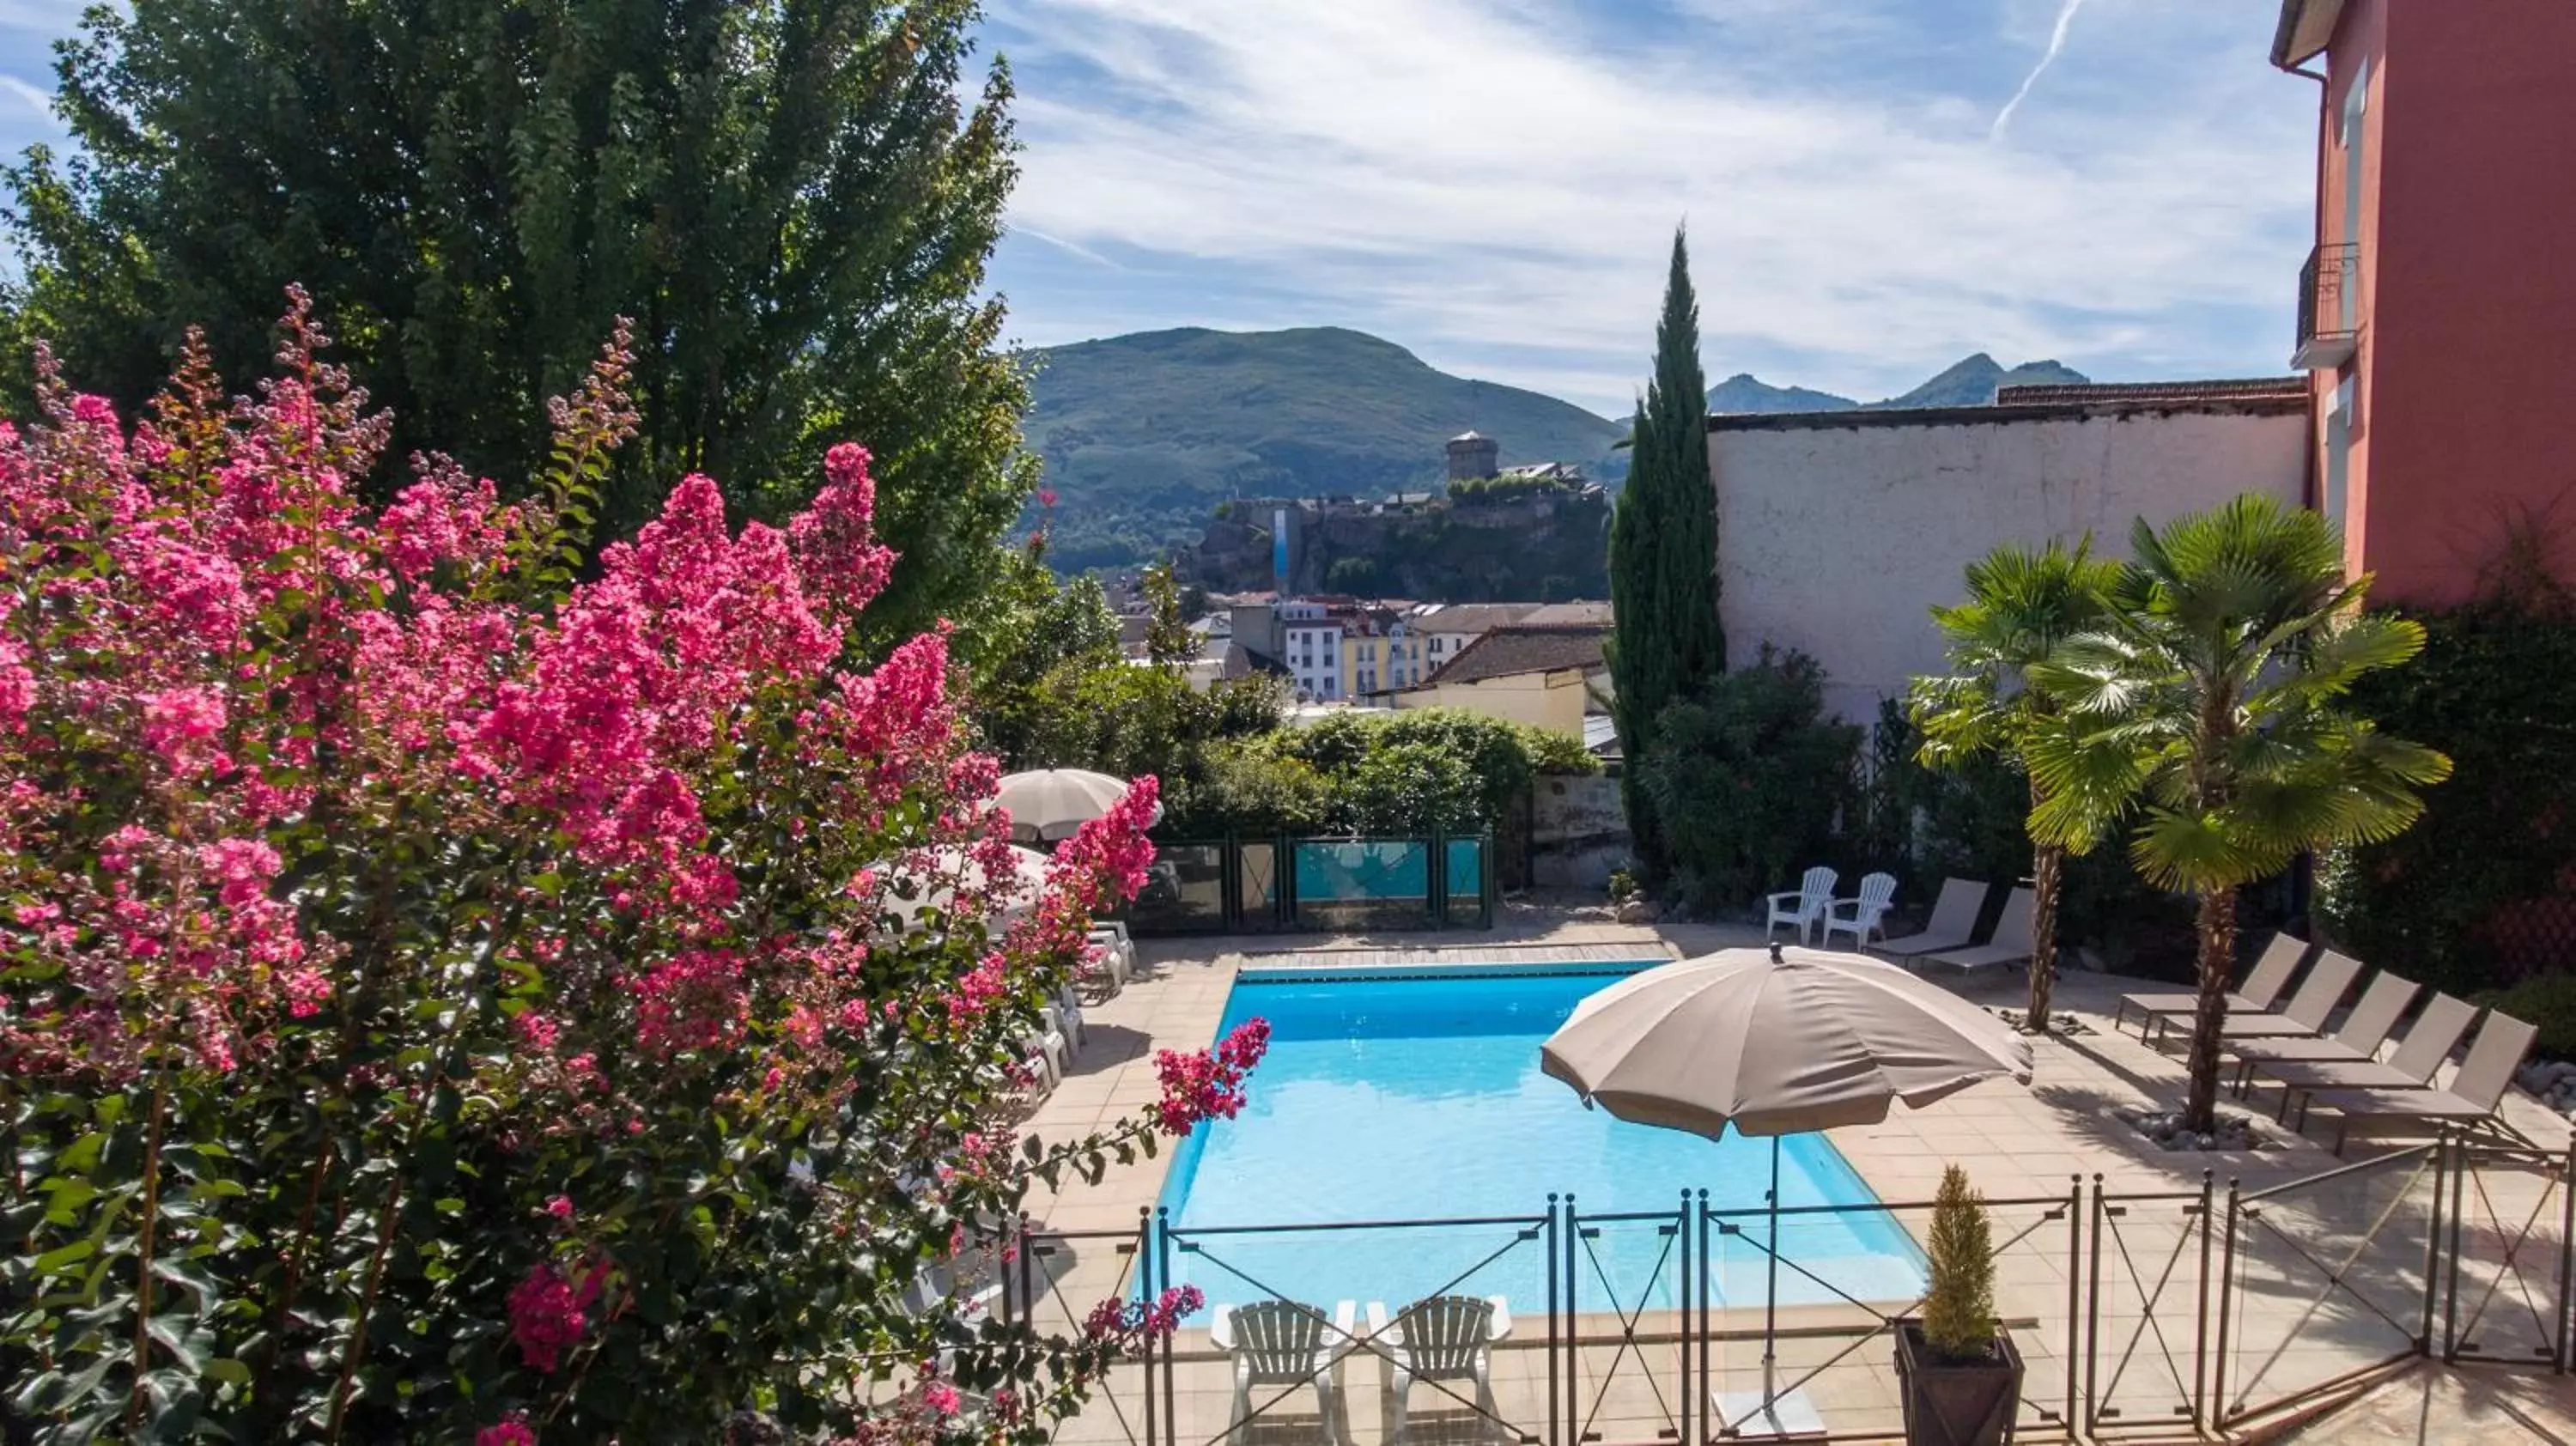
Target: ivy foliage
[[2477, 894]]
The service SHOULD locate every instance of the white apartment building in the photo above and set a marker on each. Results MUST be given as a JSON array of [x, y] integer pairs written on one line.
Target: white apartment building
[[1311, 648]]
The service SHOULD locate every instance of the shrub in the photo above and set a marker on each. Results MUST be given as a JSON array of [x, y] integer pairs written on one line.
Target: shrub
[[1959, 1307], [2546, 1001], [1747, 780], [440, 997], [1471, 770], [1413, 786], [1253, 790]]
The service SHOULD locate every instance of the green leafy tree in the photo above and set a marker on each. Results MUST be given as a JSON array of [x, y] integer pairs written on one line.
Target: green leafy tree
[[1169, 643], [2021, 605], [1667, 642], [1021, 649], [795, 201], [1748, 778], [2212, 704]]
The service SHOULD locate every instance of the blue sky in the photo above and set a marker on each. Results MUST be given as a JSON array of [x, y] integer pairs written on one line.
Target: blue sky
[[1492, 183]]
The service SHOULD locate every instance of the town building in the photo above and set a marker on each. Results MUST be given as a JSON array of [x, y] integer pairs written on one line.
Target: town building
[[2430, 311], [1380, 651], [1446, 629], [1545, 674]]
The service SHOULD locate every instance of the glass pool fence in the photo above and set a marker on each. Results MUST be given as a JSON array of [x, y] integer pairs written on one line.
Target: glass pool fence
[[1335, 885]]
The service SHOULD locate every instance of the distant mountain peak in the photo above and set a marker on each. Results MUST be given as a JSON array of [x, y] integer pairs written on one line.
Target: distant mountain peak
[[1968, 382]]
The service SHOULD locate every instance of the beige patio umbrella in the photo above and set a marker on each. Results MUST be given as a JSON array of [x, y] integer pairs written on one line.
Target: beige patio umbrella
[[1014, 894], [1052, 803], [1776, 1043]]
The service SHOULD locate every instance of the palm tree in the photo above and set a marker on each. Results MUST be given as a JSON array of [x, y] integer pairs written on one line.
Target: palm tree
[[2212, 699], [2021, 606]]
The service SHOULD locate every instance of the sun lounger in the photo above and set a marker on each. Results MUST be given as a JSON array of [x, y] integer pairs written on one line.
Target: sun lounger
[[1437, 1340], [2010, 944], [2307, 1012], [1953, 924], [1283, 1343], [2428, 1042], [2263, 986], [2358, 1038], [2471, 1098]]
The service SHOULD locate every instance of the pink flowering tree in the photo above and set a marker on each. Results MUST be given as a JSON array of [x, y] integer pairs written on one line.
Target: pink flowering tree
[[457, 986]]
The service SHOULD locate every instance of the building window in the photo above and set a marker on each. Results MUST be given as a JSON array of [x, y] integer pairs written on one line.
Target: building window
[[2339, 451]]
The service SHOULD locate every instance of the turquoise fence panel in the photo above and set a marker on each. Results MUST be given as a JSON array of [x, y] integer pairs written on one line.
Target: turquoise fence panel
[[1365, 870], [1466, 880], [1363, 883]]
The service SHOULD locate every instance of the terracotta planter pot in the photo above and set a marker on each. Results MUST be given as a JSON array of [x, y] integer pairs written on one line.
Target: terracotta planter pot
[[1956, 1405]]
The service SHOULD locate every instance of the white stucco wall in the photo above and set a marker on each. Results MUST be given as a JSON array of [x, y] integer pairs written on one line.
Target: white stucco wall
[[1836, 540]]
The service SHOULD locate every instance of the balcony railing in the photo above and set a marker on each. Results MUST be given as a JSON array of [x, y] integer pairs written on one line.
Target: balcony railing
[[2329, 307]]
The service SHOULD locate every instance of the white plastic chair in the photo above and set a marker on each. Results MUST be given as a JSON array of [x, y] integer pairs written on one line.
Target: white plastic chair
[[1802, 908], [1283, 1343], [1864, 915], [1068, 1012], [1442, 1338]]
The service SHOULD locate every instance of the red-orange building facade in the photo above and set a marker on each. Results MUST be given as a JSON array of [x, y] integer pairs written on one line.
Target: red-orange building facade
[[2438, 309]]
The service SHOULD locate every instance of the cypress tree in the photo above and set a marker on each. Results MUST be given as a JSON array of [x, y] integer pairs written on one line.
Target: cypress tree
[[1666, 642]]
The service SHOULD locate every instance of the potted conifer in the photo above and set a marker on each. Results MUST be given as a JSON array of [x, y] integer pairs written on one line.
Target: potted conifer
[[1956, 1368]]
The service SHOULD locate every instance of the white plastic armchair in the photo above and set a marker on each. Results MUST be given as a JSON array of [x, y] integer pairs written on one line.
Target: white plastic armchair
[[1803, 907], [1863, 915]]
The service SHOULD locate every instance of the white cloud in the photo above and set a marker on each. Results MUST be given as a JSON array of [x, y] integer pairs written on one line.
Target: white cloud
[[2048, 57], [39, 101], [1479, 178]]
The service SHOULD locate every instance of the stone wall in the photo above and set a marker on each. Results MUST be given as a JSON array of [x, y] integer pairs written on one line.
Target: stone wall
[[1578, 832]]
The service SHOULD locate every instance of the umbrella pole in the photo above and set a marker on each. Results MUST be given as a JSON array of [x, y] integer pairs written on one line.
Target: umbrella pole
[[1771, 1292]]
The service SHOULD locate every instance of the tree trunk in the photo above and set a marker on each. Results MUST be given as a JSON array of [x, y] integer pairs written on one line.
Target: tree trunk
[[2047, 878], [2217, 928]]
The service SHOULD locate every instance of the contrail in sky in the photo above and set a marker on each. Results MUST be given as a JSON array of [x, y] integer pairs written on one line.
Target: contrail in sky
[[2056, 43]]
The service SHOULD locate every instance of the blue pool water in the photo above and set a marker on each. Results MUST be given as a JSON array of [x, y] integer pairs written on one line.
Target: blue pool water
[[1417, 1095]]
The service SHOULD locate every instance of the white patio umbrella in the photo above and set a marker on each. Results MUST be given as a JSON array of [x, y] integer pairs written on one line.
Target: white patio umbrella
[[1052, 803], [1774, 1044], [1015, 894]]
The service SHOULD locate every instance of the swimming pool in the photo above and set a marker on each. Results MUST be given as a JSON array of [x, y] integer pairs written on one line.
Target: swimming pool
[[1415, 1094]]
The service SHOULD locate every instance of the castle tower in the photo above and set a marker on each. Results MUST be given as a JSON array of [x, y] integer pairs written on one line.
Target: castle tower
[[1472, 456]]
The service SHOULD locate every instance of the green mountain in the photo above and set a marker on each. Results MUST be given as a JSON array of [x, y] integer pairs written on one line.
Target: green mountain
[[1970, 382], [1144, 435], [1743, 392]]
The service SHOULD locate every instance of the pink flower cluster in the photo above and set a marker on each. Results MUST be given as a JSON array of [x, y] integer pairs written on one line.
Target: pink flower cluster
[[1130, 1323], [548, 1313], [511, 1430], [1208, 1084]]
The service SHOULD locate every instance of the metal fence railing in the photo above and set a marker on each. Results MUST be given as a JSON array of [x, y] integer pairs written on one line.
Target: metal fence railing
[[2137, 1315]]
